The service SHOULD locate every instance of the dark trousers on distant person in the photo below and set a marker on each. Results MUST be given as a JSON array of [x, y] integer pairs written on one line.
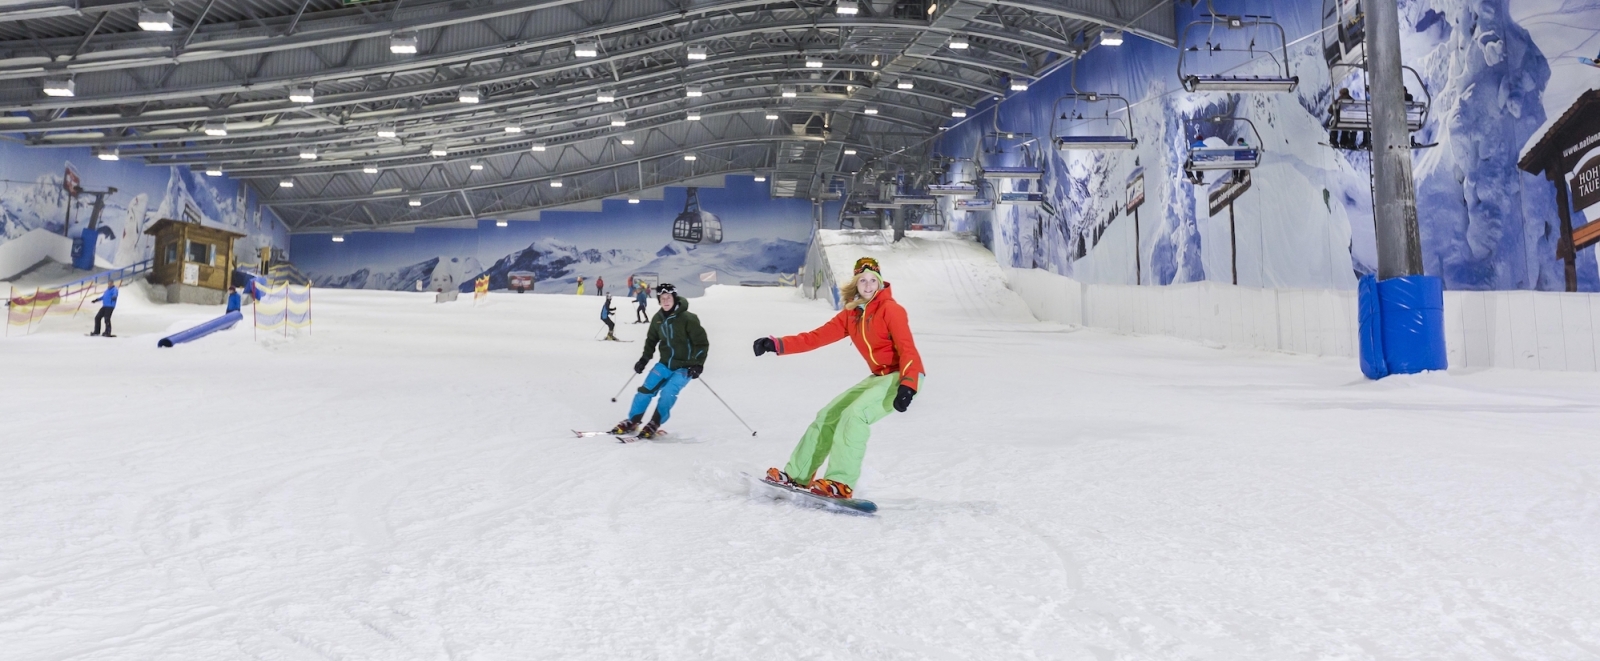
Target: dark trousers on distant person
[[639, 315], [104, 313], [610, 326]]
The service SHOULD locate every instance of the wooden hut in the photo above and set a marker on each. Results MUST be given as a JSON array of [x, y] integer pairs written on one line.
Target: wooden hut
[[192, 261]]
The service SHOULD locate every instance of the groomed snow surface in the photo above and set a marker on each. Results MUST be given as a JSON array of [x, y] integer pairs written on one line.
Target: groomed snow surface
[[401, 484]]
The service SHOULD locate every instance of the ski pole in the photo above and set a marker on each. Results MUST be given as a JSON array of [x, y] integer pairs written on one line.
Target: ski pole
[[624, 387], [702, 381]]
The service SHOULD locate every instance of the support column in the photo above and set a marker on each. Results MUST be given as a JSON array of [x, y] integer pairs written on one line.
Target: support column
[[1394, 195]]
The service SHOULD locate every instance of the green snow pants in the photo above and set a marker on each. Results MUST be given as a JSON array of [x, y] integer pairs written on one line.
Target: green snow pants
[[839, 434]]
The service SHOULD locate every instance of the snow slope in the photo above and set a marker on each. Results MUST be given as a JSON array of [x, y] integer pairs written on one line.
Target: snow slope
[[400, 484]]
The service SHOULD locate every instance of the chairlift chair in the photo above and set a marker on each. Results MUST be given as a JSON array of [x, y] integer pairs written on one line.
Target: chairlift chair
[[1344, 32], [1233, 28], [695, 225], [1122, 139], [1229, 157], [1352, 114]]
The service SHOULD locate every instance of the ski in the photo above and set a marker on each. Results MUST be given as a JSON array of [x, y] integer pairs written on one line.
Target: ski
[[803, 497], [587, 434], [630, 438]]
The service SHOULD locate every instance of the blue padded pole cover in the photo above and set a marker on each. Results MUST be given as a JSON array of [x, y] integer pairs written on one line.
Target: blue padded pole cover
[[1413, 323], [223, 322], [1371, 329]]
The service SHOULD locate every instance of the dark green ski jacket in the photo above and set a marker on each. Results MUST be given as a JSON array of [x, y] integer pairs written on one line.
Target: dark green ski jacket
[[683, 342]]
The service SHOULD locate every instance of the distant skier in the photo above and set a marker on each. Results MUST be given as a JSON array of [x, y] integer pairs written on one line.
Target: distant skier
[[599, 286], [234, 300], [108, 305], [641, 296], [877, 325], [580, 285], [683, 356], [605, 315]]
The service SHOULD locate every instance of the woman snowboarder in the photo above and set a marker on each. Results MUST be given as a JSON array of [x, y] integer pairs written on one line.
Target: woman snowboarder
[[877, 325]]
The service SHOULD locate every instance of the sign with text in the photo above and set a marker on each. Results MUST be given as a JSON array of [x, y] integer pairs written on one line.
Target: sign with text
[[1135, 190], [1228, 189]]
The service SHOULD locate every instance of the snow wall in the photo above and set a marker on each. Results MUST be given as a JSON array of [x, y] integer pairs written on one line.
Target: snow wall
[[1513, 329], [762, 239], [1499, 73], [32, 200]]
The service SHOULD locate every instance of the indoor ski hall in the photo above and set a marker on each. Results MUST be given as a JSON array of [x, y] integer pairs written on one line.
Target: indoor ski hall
[[867, 330]]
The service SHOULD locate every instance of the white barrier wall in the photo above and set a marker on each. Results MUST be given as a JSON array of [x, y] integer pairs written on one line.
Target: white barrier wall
[[1514, 329]]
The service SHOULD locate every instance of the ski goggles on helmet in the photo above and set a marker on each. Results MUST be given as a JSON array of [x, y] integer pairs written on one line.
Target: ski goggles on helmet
[[867, 264], [665, 288]]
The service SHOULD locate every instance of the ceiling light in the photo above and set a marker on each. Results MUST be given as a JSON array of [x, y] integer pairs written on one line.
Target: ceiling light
[[388, 131], [874, 60], [760, 178], [605, 96], [849, 152], [813, 63], [308, 153], [903, 84], [627, 142], [619, 121], [513, 128], [403, 43], [438, 150], [537, 146], [338, 238], [501, 223], [772, 115], [633, 200], [156, 20], [215, 129], [475, 166], [694, 91], [689, 157], [694, 115], [697, 52], [959, 43], [870, 110], [932, 7], [285, 183], [107, 154], [60, 86], [1019, 85], [586, 49], [414, 201], [958, 112], [1110, 37], [302, 94], [555, 183], [787, 91], [469, 95], [369, 169], [213, 171], [847, 8]]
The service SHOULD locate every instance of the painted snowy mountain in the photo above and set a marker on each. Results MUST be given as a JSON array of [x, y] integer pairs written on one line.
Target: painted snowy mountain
[[428, 275], [557, 266]]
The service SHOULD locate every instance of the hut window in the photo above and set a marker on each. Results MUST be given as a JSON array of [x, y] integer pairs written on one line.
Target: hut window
[[171, 253], [202, 253]]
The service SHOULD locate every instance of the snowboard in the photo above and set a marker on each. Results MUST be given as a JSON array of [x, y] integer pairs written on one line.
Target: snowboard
[[804, 498]]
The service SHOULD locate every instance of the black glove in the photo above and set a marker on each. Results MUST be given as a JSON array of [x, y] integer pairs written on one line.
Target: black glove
[[765, 345], [638, 368], [695, 370], [903, 400]]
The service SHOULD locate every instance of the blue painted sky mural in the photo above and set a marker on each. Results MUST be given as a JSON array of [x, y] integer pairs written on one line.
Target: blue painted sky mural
[[1496, 72]]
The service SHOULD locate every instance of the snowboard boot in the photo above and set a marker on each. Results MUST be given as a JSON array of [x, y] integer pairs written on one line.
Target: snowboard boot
[[830, 489], [650, 430], [779, 477], [626, 426]]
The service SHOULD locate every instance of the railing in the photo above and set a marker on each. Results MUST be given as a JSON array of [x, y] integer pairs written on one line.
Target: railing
[[98, 280]]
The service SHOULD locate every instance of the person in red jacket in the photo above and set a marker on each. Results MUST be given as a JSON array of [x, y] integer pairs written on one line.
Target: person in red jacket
[[877, 325]]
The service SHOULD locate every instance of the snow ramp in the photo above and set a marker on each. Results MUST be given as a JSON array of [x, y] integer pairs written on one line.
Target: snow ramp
[[941, 274]]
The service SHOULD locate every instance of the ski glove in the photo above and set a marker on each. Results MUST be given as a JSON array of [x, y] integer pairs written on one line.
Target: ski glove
[[765, 345], [903, 400], [695, 370], [638, 368]]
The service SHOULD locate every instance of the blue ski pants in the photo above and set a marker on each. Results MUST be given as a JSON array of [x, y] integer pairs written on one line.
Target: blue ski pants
[[660, 381]]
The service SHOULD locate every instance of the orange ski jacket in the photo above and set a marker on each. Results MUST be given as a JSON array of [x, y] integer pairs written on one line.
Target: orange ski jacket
[[880, 332]]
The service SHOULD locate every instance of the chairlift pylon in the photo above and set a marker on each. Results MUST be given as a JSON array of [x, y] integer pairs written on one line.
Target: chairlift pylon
[[1223, 32]]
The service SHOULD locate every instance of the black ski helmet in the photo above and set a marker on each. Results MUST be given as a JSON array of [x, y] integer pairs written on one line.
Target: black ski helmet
[[666, 288]]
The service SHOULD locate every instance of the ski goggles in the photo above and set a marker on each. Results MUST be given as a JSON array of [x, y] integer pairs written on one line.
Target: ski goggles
[[867, 264]]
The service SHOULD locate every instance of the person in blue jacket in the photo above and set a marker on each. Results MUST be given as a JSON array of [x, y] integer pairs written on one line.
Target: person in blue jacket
[[642, 297], [605, 315], [233, 300], [108, 305]]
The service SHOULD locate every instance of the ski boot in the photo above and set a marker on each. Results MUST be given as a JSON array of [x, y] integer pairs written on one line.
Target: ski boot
[[779, 477], [650, 430], [626, 426], [611, 337], [830, 489]]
